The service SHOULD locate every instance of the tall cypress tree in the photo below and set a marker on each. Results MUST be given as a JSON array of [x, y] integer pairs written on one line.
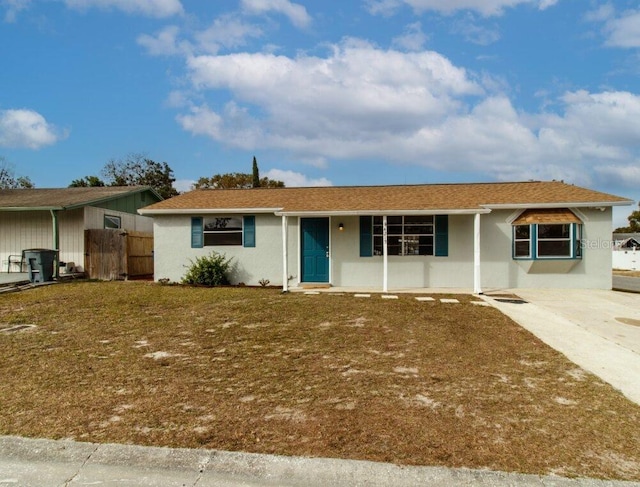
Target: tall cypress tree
[[256, 173]]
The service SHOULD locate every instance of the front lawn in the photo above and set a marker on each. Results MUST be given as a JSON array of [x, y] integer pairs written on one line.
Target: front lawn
[[402, 381]]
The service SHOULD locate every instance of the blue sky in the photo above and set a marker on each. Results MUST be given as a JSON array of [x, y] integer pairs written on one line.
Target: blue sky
[[341, 93]]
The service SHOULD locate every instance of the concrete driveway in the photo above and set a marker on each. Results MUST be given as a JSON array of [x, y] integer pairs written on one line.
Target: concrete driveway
[[598, 330]]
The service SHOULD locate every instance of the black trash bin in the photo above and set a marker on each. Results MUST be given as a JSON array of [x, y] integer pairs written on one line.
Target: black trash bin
[[40, 264]]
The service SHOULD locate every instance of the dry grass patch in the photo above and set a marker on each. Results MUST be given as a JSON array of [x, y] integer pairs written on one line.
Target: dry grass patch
[[625, 273], [254, 370]]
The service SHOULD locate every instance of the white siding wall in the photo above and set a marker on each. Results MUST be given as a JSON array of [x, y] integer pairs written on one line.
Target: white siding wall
[[23, 230], [173, 252], [34, 230]]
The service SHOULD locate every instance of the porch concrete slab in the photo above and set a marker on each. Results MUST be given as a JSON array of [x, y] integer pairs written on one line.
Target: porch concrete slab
[[378, 290], [583, 325], [13, 278]]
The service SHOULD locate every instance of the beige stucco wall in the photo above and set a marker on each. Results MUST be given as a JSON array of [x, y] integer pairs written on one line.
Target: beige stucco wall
[[498, 270], [173, 252], [593, 271]]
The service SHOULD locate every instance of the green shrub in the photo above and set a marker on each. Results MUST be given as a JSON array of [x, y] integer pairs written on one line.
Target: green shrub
[[210, 270]]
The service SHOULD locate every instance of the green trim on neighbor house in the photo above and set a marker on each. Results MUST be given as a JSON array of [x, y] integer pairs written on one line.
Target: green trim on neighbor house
[[129, 203]]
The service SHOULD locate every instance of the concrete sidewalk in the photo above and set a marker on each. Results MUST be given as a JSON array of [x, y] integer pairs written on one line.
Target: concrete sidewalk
[[598, 330], [48, 463]]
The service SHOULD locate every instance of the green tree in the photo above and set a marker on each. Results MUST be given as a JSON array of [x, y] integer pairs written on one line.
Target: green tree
[[87, 182], [634, 223], [9, 180], [256, 174], [138, 170], [238, 180]]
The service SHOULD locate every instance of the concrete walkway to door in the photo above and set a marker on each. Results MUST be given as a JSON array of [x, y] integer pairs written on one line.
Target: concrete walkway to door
[[596, 329]]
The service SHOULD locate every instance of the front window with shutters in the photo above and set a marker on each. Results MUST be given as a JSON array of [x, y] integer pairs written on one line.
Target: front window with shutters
[[406, 235]]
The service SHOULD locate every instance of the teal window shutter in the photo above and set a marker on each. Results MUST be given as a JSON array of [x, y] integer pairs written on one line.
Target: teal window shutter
[[197, 237], [366, 236], [442, 235], [249, 228]]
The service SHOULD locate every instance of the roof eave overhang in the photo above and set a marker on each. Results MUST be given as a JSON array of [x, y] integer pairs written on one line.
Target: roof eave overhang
[[441, 211], [205, 211], [566, 204]]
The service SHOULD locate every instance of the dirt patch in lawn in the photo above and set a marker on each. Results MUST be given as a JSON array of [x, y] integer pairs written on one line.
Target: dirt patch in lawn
[[400, 381]]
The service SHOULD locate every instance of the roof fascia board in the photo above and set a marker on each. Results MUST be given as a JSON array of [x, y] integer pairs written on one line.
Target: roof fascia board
[[443, 211], [567, 204], [207, 211], [31, 208]]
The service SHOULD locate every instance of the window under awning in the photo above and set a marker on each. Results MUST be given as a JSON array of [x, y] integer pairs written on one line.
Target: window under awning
[[547, 216]]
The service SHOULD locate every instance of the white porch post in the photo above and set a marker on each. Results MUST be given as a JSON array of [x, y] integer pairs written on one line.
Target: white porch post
[[285, 255], [476, 255], [385, 256]]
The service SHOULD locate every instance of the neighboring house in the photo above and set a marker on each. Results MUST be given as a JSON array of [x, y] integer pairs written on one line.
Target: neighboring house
[[57, 218], [626, 251], [477, 236]]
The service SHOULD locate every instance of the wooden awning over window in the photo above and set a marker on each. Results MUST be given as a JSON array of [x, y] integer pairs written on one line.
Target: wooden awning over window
[[547, 216]]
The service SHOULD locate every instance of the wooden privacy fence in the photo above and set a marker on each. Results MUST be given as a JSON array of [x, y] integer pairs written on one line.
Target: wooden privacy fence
[[118, 254]]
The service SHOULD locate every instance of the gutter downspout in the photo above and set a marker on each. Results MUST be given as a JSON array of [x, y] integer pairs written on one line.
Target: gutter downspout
[[56, 242]]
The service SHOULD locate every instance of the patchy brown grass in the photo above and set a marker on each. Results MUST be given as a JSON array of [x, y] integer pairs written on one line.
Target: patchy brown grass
[[625, 273], [399, 381]]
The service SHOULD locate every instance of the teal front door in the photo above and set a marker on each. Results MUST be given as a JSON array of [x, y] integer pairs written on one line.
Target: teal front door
[[315, 249]]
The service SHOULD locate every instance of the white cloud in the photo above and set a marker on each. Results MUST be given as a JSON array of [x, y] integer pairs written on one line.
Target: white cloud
[[28, 129], [620, 30], [226, 32], [474, 32], [296, 179], [202, 121], [164, 43], [413, 39], [362, 102], [151, 8], [486, 8], [13, 8], [624, 31], [296, 13]]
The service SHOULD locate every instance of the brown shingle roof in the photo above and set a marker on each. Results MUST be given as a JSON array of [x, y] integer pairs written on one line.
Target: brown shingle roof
[[549, 215], [358, 199], [57, 198]]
